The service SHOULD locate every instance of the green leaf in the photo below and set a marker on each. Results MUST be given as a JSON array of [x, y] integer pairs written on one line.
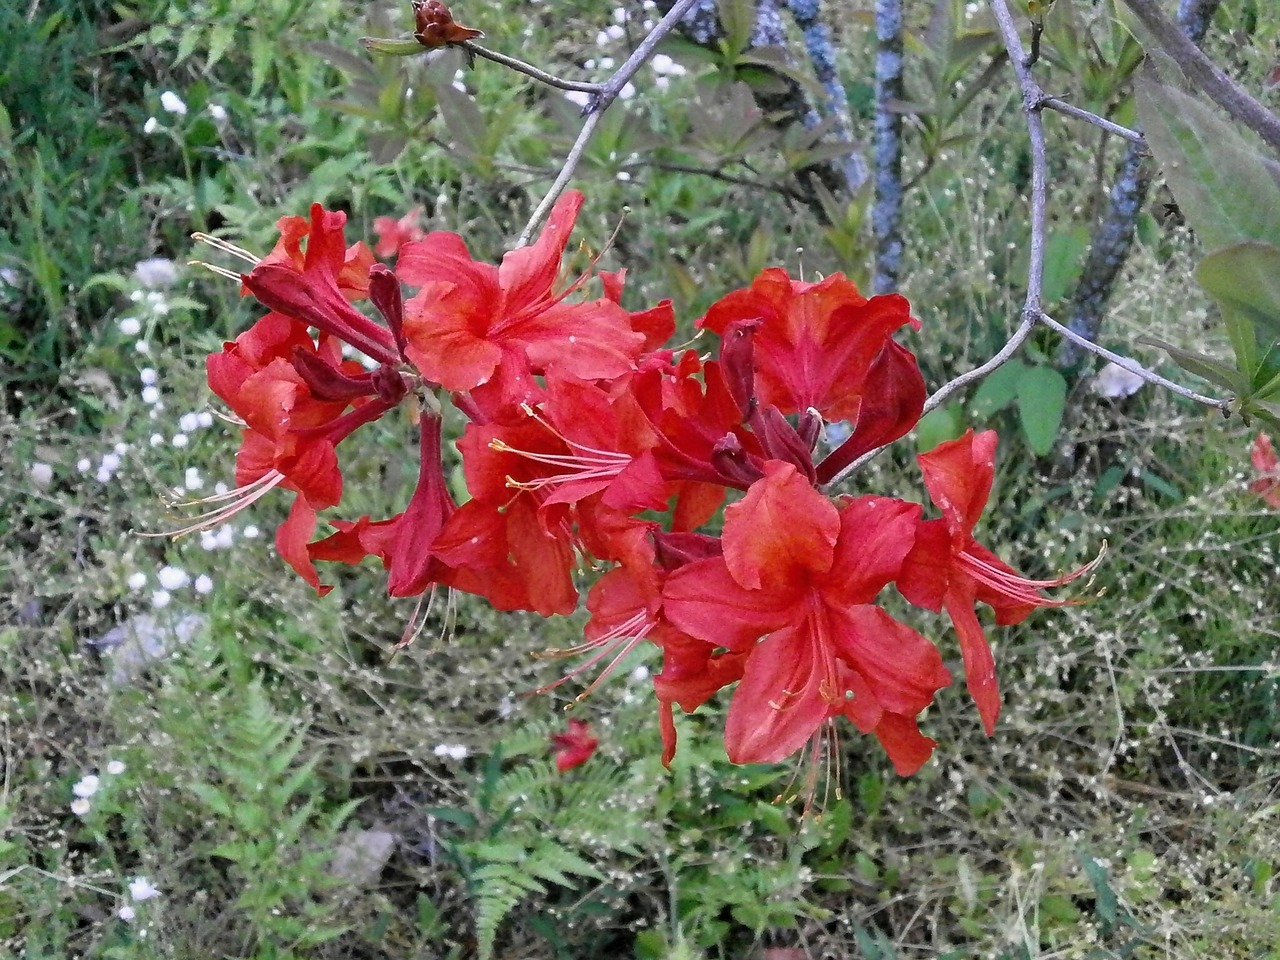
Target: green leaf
[[938, 426], [1106, 903], [1202, 365], [1245, 280], [392, 47], [220, 38], [1042, 399], [1063, 261], [1228, 189], [997, 391]]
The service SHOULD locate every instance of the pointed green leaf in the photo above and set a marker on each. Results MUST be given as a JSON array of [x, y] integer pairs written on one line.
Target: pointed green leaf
[[1245, 280], [392, 47], [1042, 398], [1228, 189], [1202, 365]]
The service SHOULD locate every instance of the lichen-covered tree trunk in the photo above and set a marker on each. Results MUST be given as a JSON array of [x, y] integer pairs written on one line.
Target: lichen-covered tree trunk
[[886, 212]]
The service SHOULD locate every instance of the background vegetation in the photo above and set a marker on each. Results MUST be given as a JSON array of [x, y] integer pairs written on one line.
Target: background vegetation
[[292, 789]]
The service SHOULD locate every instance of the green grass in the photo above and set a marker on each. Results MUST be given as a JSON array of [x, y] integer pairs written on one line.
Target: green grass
[[1126, 806]]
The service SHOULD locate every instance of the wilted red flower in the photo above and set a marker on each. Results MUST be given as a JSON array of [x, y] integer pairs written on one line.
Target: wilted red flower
[[574, 747], [434, 25], [1268, 466]]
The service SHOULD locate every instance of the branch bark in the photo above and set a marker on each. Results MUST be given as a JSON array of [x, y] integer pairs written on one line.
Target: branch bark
[[886, 212], [1206, 74]]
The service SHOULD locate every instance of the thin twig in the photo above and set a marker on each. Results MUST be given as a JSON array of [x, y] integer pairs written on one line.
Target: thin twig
[[1206, 74], [1131, 365], [947, 389], [1062, 106], [609, 91], [528, 69]]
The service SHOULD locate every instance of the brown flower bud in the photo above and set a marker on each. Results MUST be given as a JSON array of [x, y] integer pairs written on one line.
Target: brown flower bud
[[434, 25]]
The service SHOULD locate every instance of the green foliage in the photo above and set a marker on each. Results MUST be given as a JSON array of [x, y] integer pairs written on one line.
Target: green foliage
[[1230, 190]]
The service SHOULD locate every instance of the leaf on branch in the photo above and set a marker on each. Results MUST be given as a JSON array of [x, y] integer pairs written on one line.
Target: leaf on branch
[[1042, 399], [1245, 280], [1228, 189], [1202, 365]]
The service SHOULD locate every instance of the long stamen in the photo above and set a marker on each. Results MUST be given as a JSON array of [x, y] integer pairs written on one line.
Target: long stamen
[[227, 247], [619, 642], [213, 268], [1020, 588], [245, 496]]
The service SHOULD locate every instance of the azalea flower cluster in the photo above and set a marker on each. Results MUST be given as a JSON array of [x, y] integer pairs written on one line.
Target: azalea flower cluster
[[589, 441]]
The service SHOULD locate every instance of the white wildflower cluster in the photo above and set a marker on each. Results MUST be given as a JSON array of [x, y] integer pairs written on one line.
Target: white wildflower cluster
[[87, 786], [454, 751], [105, 467], [140, 890], [168, 580], [173, 104]]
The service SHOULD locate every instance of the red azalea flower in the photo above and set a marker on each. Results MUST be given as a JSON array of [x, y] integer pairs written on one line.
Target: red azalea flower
[[313, 287], [574, 747], [394, 234], [802, 572], [473, 325], [1268, 466], [814, 343], [948, 569]]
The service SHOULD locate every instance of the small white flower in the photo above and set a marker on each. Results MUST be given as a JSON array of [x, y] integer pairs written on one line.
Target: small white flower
[[142, 347], [172, 103], [160, 599], [203, 584], [204, 419], [589, 65], [111, 461], [86, 787], [130, 326], [192, 479], [104, 475], [173, 578], [41, 474], [115, 767], [615, 31], [148, 376], [640, 674], [627, 92], [150, 394], [606, 63], [80, 807], [179, 440], [251, 532], [620, 15], [151, 126], [126, 913], [219, 488], [155, 273], [622, 176], [226, 536], [84, 465], [454, 751], [218, 112], [156, 439], [121, 448], [579, 97], [140, 888], [137, 580]]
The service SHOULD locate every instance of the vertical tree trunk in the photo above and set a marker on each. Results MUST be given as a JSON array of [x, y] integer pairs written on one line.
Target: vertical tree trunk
[[886, 213]]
